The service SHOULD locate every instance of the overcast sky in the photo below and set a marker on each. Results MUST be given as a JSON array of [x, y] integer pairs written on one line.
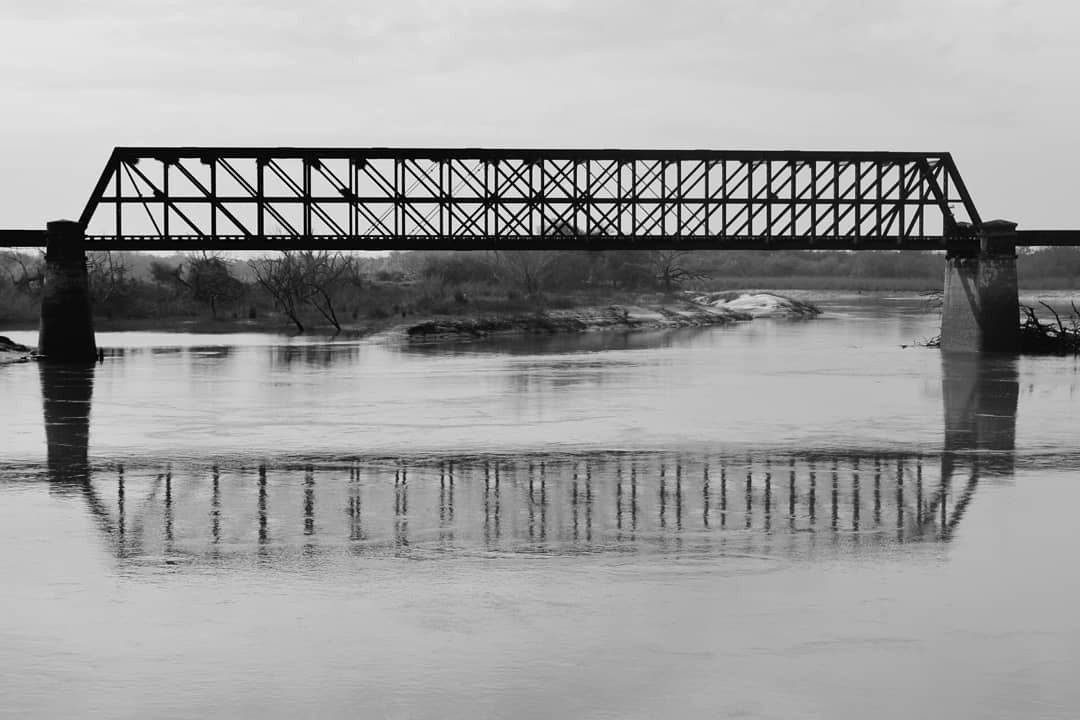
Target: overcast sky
[[993, 82]]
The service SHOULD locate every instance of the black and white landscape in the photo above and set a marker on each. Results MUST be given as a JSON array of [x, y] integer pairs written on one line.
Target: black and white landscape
[[539, 359]]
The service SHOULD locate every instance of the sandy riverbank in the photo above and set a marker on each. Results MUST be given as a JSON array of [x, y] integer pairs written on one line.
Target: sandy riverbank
[[686, 310], [12, 352], [646, 312]]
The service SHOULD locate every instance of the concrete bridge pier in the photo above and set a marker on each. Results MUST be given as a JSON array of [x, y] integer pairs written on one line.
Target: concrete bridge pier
[[66, 332], [981, 311]]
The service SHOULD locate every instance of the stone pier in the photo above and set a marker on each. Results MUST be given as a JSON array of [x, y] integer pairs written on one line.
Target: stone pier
[[67, 327], [981, 311]]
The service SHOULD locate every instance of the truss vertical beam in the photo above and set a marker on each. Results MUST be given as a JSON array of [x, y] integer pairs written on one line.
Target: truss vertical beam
[[165, 201]]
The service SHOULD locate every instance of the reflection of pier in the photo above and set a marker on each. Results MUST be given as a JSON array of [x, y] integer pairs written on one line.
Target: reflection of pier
[[66, 392], [980, 398], [790, 503]]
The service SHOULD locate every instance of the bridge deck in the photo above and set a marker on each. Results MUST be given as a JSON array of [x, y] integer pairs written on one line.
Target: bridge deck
[[181, 243]]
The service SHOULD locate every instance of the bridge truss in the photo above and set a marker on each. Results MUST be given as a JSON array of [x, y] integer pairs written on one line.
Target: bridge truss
[[187, 198]]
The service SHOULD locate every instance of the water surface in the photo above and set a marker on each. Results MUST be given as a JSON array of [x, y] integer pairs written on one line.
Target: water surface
[[773, 519]]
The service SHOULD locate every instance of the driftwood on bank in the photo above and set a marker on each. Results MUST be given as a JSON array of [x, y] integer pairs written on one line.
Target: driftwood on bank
[[1061, 337], [1058, 337]]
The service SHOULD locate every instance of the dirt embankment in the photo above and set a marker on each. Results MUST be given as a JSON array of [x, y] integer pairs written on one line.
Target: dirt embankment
[[689, 310], [11, 352], [756, 304]]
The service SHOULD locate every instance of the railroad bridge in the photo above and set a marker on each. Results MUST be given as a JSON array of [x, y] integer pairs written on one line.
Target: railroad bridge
[[229, 198]]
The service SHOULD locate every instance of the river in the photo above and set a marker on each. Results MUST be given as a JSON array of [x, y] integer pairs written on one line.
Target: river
[[775, 519]]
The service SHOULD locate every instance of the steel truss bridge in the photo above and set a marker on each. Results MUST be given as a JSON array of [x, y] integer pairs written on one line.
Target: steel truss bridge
[[207, 198]]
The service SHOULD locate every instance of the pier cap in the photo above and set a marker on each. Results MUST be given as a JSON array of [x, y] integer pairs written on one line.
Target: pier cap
[[64, 238], [998, 237]]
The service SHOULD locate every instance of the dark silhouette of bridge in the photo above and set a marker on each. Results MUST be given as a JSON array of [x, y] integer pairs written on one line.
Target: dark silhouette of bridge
[[207, 198], [187, 198]]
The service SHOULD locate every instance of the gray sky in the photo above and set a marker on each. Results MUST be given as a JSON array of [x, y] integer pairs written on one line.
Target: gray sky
[[993, 82]]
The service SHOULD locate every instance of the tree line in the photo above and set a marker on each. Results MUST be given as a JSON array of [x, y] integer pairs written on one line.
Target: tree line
[[306, 288]]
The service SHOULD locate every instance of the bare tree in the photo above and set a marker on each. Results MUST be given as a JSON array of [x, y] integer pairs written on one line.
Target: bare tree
[[325, 273], [524, 269], [108, 275], [670, 268], [282, 278], [26, 272], [205, 275], [306, 277]]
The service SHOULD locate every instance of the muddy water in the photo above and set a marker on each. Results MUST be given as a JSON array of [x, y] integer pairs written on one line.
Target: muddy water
[[775, 520]]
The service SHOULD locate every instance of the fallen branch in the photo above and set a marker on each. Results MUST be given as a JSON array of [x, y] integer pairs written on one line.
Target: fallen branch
[[1046, 339], [1039, 338]]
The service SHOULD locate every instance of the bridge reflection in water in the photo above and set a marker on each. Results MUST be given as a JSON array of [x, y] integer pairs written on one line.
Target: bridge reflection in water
[[784, 502]]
